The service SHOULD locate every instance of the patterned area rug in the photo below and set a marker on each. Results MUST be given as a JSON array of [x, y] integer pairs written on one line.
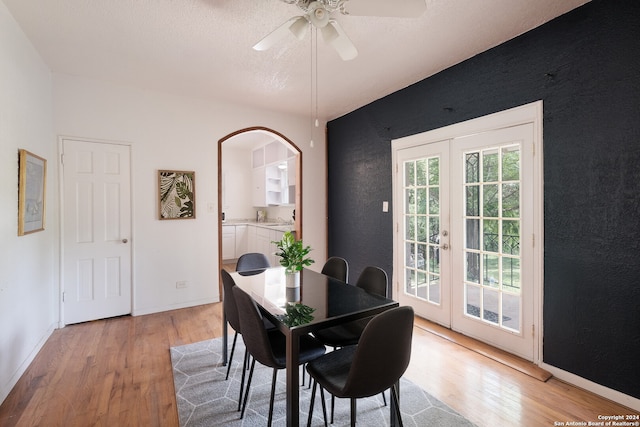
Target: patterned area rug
[[204, 398]]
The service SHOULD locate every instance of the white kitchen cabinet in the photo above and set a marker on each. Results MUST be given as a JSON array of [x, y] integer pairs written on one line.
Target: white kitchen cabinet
[[263, 242], [264, 237], [267, 186], [275, 235], [228, 242], [242, 241], [252, 245], [274, 175]]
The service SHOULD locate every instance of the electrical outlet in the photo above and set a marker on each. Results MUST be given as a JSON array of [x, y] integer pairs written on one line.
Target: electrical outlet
[[181, 284]]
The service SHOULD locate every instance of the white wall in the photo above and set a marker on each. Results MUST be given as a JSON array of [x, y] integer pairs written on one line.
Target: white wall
[[172, 132], [28, 264]]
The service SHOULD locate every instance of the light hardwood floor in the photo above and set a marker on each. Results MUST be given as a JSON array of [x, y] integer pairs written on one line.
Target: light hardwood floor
[[117, 372]]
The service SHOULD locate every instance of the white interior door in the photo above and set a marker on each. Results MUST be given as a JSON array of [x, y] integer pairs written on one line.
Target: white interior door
[[464, 245], [96, 212]]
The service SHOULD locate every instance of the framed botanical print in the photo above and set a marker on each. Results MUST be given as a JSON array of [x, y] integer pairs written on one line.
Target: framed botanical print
[[176, 194], [32, 174]]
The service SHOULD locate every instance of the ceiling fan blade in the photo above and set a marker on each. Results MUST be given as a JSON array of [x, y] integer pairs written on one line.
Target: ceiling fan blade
[[396, 8], [342, 43], [292, 25]]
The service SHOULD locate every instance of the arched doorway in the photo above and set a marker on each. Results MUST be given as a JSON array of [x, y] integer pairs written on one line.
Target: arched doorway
[[250, 138]]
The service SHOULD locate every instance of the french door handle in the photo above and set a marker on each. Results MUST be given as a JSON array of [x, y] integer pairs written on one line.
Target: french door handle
[[124, 240], [444, 246]]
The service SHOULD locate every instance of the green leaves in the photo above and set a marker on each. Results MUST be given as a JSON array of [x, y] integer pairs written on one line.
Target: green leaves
[[298, 314], [292, 253]]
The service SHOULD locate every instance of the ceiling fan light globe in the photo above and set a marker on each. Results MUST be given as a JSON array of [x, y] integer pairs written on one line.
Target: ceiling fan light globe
[[299, 27], [318, 15], [329, 33]]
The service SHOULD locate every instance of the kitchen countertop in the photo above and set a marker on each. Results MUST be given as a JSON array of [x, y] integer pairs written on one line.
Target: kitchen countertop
[[272, 225]]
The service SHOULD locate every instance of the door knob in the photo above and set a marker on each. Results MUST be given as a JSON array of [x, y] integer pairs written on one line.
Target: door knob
[[445, 246], [124, 240]]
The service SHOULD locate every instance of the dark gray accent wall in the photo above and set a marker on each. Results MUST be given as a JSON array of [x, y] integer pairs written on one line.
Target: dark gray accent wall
[[585, 66]]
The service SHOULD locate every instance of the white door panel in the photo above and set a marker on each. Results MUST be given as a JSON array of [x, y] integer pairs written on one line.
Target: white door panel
[[97, 230]]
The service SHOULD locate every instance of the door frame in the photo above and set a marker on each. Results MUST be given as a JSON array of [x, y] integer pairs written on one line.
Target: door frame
[[61, 217], [298, 203], [528, 113]]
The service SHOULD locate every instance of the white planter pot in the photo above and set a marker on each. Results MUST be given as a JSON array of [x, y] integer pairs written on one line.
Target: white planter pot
[[293, 279]]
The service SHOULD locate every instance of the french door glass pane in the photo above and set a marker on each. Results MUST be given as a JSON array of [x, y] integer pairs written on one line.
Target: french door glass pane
[[422, 228], [492, 236], [511, 237], [422, 289], [410, 201], [434, 171], [473, 200], [511, 311], [490, 165], [472, 296], [491, 304], [434, 230], [472, 171], [421, 172], [511, 274], [410, 173], [490, 200], [473, 233], [410, 228], [434, 288], [511, 200], [410, 286], [473, 267], [511, 163], [421, 201], [434, 201]]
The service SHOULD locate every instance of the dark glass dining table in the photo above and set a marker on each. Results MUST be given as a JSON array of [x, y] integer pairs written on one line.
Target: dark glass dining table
[[333, 302]]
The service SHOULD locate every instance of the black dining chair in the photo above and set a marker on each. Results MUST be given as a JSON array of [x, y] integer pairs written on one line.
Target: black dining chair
[[268, 346], [252, 261], [374, 365], [373, 280], [337, 268], [231, 312]]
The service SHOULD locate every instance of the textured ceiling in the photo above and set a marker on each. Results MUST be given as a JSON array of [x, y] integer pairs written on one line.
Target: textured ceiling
[[203, 48]]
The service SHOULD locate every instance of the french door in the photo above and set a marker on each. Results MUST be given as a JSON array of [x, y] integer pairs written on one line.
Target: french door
[[424, 187], [464, 244]]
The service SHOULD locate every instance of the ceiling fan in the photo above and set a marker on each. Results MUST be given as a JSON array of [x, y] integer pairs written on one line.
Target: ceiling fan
[[318, 13]]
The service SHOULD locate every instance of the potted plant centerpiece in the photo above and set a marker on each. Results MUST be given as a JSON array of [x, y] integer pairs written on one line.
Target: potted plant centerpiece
[[293, 257]]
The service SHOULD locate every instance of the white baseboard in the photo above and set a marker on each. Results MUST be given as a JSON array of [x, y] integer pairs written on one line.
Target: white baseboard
[[152, 310], [608, 393], [6, 388]]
